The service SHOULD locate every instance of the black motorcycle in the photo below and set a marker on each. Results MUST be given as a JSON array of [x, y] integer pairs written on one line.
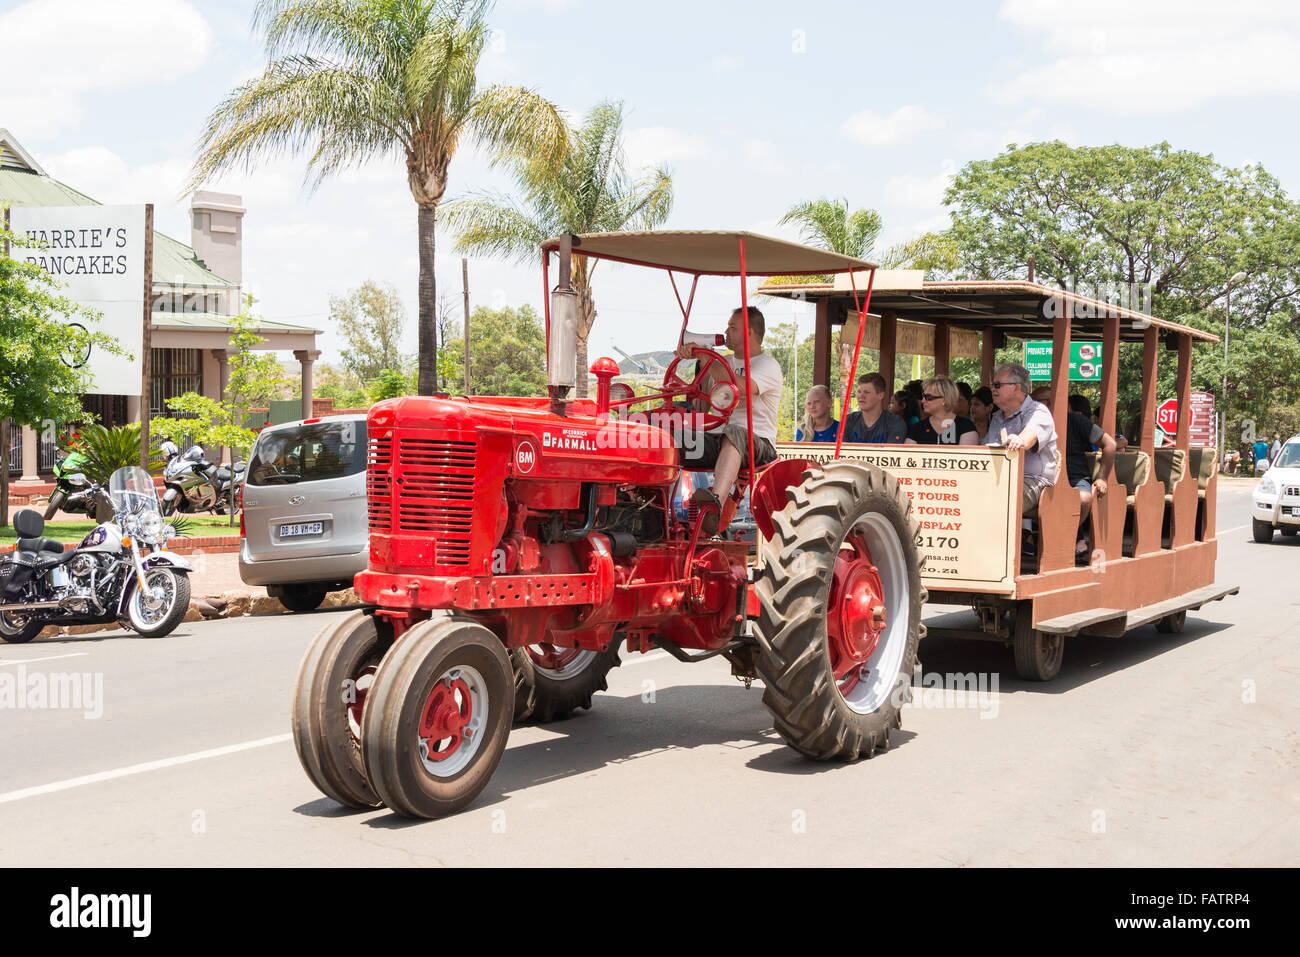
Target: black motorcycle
[[193, 484], [120, 572], [74, 493]]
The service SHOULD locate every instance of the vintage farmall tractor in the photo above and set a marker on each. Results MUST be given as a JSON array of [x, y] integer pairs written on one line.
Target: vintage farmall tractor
[[516, 543]]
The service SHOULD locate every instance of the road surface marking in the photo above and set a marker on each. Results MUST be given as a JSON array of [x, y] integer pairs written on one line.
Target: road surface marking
[[140, 768], [28, 661], [1235, 528]]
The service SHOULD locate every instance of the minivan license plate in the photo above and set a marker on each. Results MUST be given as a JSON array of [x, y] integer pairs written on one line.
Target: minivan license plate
[[306, 528]]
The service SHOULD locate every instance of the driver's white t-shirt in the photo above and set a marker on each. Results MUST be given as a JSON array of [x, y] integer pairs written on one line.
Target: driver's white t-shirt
[[768, 380]]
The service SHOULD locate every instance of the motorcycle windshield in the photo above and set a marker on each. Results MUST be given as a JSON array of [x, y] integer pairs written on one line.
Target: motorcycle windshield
[[132, 490]]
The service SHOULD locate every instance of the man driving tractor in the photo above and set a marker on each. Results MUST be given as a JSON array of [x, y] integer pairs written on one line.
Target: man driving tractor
[[725, 449]]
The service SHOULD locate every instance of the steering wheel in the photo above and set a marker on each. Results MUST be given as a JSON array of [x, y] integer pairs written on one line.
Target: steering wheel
[[720, 399]]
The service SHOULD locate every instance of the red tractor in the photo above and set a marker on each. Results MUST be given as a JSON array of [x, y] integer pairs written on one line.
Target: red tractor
[[516, 543]]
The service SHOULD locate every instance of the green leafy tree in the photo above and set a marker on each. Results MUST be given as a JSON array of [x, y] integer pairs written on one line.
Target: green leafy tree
[[507, 351], [355, 80], [1163, 228], [221, 422], [389, 384], [828, 224], [39, 387], [347, 391], [370, 320], [591, 191]]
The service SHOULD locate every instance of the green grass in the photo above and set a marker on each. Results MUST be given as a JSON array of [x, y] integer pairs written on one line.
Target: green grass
[[75, 531]]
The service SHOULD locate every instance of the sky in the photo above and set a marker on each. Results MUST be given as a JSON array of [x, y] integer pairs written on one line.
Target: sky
[[754, 107]]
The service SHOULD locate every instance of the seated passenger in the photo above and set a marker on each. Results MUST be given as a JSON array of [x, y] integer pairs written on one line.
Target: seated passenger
[[906, 406], [724, 450], [818, 426], [941, 425], [1022, 424], [981, 407], [873, 422], [964, 395], [1082, 433]]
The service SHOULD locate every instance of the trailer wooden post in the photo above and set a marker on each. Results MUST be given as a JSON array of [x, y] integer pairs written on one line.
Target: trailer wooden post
[[1109, 372], [988, 344], [1182, 530], [1149, 498], [942, 347], [1109, 510], [1059, 506], [888, 349], [822, 344]]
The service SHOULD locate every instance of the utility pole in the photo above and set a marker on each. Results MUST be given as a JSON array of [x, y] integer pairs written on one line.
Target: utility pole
[[464, 276]]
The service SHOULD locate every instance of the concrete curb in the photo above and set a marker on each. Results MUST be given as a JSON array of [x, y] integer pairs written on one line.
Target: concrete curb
[[231, 604]]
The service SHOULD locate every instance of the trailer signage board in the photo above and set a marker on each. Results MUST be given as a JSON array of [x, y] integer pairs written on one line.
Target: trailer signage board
[[964, 500]]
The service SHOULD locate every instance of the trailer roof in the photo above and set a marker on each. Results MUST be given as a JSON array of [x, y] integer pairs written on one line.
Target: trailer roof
[[1014, 307], [713, 253]]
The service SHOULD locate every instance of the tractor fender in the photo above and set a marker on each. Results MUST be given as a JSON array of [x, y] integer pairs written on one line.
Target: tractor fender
[[768, 494]]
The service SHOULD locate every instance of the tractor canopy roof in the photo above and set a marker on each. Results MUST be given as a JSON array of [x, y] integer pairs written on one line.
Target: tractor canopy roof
[[711, 252]]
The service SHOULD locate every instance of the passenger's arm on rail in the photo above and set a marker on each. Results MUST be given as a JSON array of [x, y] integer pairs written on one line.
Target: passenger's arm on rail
[[1107, 444]]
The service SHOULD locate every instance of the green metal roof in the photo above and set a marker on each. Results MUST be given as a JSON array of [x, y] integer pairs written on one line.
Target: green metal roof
[[212, 320], [174, 263]]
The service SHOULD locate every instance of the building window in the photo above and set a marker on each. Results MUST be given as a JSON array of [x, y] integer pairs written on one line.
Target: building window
[[175, 372]]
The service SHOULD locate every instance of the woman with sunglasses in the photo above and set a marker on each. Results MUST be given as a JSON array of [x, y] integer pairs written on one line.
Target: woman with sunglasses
[[940, 424]]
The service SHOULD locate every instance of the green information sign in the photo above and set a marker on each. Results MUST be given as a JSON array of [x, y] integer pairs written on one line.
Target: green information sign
[[1085, 361]]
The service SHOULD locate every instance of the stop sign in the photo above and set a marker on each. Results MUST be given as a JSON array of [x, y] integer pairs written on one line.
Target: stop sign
[[1167, 416]]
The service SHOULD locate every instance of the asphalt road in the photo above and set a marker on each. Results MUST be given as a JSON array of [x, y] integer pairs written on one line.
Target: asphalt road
[[1148, 750]]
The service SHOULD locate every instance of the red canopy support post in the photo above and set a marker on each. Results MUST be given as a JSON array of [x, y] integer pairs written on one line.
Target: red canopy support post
[[942, 347], [749, 391], [822, 344], [857, 349], [888, 349], [988, 344]]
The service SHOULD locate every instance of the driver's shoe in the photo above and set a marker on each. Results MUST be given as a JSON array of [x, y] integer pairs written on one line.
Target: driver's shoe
[[710, 510]]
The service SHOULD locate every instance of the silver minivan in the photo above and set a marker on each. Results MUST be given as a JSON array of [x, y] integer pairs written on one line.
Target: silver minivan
[[304, 527]]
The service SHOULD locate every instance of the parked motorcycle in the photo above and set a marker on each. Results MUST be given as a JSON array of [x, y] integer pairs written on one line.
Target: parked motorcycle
[[121, 571], [74, 492], [193, 484]]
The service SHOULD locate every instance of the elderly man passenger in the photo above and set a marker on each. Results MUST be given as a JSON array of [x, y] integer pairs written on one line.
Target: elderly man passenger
[[1022, 424]]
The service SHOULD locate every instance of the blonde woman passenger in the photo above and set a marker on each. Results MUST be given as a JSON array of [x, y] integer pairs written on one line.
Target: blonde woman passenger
[[940, 424]]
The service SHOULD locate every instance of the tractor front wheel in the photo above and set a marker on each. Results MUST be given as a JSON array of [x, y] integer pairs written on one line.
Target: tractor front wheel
[[551, 683], [437, 717], [840, 612], [333, 683]]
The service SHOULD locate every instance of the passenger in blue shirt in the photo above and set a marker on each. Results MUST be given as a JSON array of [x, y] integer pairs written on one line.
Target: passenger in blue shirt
[[818, 426]]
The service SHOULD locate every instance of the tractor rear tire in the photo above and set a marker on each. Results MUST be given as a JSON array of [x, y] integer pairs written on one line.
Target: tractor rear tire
[[437, 717], [1263, 531], [333, 684], [844, 524], [1038, 654], [545, 692]]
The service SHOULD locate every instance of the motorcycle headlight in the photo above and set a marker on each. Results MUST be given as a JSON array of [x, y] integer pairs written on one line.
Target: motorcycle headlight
[[1266, 485], [151, 526]]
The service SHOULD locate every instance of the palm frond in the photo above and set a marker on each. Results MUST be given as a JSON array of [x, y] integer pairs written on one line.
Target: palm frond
[[489, 224], [517, 123]]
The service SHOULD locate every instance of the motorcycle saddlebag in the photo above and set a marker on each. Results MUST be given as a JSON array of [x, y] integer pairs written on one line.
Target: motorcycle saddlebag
[[15, 572]]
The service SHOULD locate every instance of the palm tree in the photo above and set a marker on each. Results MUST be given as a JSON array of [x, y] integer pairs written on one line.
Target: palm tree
[[352, 80], [590, 192], [827, 223]]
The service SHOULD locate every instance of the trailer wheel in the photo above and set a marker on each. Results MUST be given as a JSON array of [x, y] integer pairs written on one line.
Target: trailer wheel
[[333, 682], [437, 717], [1263, 531], [1172, 624], [1038, 654], [551, 683], [840, 612]]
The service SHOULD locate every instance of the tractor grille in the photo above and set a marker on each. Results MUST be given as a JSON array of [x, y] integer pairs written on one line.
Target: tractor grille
[[379, 484], [436, 498]]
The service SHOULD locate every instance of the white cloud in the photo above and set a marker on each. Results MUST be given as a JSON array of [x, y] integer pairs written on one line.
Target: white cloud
[[727, 63], [763, 156], [101, 47], [653, 145], [877, 129], [1156, 57], [915, 191]]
